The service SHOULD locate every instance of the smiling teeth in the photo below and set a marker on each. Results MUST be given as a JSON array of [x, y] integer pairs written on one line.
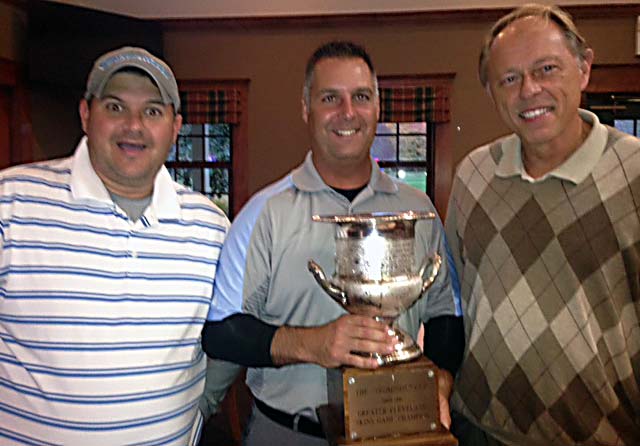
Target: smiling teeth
[[129, 146], [530, 114], [346, 132]]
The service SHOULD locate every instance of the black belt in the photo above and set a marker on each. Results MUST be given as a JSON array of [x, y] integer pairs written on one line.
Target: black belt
[[298, 423]]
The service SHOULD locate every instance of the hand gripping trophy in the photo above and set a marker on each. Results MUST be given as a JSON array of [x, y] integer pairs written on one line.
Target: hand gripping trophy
[[375, 276]]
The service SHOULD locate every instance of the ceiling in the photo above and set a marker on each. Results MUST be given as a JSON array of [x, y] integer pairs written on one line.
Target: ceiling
[[203, 9]]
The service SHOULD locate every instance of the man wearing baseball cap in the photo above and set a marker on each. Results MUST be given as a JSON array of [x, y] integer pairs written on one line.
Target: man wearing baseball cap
[[106, 273]]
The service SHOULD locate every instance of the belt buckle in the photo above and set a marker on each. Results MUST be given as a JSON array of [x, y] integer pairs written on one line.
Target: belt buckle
[[296, 419]]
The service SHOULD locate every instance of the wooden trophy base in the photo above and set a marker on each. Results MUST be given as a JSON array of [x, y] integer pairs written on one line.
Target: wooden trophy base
[[390, 406]]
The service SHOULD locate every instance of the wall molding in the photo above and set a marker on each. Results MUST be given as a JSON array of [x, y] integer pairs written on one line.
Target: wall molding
[[384, 18], [614, 78]]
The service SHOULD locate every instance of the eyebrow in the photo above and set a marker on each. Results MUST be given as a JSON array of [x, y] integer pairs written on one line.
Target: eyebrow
[[546, 59], [117, 98], [535, 63], [364, 90], [338, 90]]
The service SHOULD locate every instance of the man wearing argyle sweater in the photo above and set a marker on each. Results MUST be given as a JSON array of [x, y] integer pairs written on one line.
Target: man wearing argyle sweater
[[544, 226]]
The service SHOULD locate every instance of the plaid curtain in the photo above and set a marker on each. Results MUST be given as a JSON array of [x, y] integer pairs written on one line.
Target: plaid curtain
[[210, 106], [414, 104]]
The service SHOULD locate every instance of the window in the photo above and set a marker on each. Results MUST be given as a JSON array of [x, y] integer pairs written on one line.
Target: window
[[405, 151], [212, 144], [618, 110], [201, 160], [629, 126], [613, 94], [413, 112]]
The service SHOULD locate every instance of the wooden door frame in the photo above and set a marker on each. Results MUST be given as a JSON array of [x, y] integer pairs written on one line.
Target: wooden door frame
[[21, 141]]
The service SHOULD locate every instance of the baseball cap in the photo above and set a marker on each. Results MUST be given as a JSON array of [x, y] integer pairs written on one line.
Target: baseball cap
[[108, 64]]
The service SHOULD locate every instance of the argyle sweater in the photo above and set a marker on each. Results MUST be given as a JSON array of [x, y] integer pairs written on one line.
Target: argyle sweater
[[550, 293]]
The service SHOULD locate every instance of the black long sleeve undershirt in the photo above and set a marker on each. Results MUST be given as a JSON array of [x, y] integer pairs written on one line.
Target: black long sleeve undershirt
[[444, 342], [239, 338], [246, 340]]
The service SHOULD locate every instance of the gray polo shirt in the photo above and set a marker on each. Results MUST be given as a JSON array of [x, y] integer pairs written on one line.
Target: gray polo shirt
[[263, 269]]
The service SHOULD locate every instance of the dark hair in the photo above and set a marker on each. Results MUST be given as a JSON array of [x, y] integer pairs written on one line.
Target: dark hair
[[575, 42], [340, 50]]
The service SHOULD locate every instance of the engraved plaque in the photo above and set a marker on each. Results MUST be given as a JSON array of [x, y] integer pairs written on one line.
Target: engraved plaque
[[398, 401], [390, 401]]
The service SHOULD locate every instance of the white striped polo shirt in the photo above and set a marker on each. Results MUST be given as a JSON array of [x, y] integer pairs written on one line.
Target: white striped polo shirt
[[100, 317]]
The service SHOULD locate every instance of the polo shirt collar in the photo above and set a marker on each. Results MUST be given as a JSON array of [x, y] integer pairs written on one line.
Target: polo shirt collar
[[575, 169], [306, 177], [86, 185]]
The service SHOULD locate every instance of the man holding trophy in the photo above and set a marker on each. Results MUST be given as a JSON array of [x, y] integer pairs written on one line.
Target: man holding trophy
[[268, 311]]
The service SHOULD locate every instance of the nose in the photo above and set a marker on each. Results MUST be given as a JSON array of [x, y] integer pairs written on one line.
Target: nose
[[530, 86], [134, 121], [347, 109]]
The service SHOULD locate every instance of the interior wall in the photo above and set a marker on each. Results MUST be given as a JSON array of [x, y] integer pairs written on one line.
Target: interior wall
[[273, 60], [63, 42]]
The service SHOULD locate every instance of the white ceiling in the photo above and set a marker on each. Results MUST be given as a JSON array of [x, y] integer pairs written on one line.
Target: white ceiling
[[175, 9]]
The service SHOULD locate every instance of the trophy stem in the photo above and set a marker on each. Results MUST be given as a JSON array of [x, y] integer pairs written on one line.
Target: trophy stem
[[406, 348]]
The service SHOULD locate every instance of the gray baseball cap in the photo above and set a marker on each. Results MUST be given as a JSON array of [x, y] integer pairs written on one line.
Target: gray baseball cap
[[113, 61]]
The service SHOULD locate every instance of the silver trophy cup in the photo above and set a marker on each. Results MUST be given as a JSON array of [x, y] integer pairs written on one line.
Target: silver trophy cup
[[375, 273]]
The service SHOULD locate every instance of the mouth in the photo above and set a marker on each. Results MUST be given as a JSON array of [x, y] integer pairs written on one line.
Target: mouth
[[345, 132], [535, 113], [131, 146]]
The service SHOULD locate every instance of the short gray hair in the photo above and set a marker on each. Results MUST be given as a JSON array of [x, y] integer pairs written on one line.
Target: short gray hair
[[575, 42], [335, 50]]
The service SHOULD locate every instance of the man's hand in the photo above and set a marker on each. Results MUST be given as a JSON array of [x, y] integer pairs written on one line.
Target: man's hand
[[445, 386], [332, 345]]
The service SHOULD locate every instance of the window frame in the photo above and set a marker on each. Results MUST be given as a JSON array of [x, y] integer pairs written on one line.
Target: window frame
[[443, 165], [201, 165], [428, 163], [610, 107], [238, 178]]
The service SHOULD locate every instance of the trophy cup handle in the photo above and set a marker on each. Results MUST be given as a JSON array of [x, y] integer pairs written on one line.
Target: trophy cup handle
[[434, 264], [336, 293]]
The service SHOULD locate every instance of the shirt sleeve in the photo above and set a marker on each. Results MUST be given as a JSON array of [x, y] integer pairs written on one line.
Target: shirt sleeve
[[243, 267], [230, 273], [443, 297], [452, 236], [220, 376]]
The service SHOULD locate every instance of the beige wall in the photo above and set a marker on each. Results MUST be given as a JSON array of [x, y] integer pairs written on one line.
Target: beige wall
[[280, 8], [273, 60], [272, 57]]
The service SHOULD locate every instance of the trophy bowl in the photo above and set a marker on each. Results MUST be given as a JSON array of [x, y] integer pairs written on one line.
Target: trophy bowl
[[374, 270]]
